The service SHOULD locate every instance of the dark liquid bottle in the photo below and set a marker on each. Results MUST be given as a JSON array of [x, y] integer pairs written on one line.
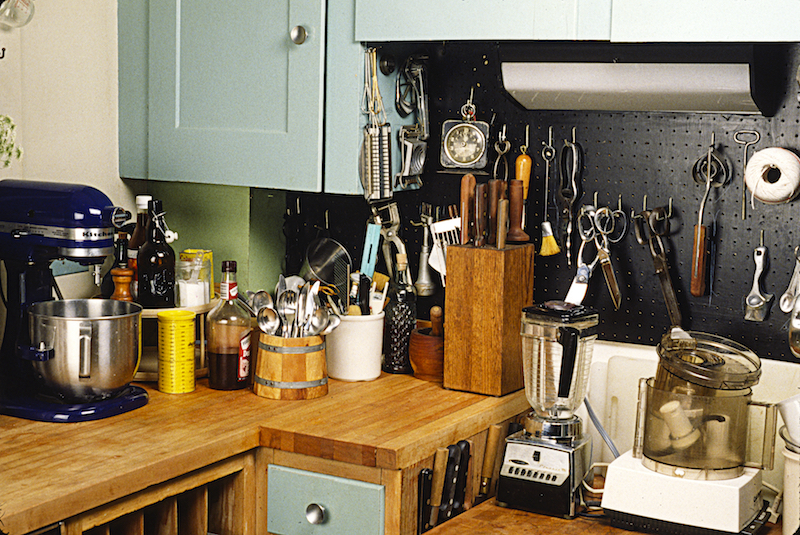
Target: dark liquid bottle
[[156, 263], [138, 238], [228, 330], [400, 320]]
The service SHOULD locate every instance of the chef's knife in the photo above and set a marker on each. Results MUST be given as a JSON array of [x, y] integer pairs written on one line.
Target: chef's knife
[[437, 485], [462, 478], [423, 500], [450, 477], [489, 456]]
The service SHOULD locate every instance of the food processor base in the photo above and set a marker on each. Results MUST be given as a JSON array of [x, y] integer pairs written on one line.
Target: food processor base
[[32, 407], [637, 498]]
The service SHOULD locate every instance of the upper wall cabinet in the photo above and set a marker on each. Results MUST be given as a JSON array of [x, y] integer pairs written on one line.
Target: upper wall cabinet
[[708, 20], [234, 94], [424, 20]]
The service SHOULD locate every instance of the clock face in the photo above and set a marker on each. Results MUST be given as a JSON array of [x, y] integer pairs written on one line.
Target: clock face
[[464, 144]]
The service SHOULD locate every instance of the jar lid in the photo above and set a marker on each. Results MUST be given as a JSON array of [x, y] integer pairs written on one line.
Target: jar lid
[[710, 361], [560, 311]]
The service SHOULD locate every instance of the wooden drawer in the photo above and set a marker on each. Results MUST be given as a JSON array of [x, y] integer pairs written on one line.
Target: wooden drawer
[[343, 506]]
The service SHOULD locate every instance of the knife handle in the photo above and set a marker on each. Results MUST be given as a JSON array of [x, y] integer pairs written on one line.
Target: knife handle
[[699, 260], [467, 203], [515, 232], [489, 455], [502, 223], [437, 484], [481, 213], [494, 197]]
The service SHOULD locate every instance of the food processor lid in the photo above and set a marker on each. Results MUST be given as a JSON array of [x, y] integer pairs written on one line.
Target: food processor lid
[[711, 361], [560, 311]]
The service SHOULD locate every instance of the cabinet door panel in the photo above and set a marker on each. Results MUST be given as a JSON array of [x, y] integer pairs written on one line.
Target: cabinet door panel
[[421, 20], [709, 20], [349, 506], [232, 99]]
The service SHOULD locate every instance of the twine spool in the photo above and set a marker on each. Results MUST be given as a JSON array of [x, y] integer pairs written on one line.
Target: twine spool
[[176, 351], [759, 176]]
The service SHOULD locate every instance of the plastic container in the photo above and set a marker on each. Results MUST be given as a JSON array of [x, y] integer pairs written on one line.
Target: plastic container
[[176, 351]]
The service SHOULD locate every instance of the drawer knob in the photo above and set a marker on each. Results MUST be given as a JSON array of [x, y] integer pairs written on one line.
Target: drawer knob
[[315, 514], [298, 35]]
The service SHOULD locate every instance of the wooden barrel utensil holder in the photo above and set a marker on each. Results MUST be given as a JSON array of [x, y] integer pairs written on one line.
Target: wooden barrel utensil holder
[[291, 368]]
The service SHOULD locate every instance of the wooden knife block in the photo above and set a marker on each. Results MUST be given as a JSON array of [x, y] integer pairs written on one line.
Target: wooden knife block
[[486, 291]]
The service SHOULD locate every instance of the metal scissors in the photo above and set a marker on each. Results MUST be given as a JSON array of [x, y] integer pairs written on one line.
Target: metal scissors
[[598, 227], [650, 226]]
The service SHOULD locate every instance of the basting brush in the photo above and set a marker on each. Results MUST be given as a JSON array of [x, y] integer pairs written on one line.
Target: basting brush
[[549, 245]]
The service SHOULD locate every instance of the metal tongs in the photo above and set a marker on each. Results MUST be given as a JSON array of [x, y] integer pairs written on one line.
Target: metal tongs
[[650, 226]]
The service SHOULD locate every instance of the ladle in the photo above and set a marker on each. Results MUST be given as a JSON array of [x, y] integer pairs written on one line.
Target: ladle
[[268, 320]]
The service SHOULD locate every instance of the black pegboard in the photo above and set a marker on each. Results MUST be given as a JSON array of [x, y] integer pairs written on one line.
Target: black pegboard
[[627, 156]]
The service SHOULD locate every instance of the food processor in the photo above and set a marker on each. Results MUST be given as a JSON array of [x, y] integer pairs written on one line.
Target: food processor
[[545, 463], [688, 471]]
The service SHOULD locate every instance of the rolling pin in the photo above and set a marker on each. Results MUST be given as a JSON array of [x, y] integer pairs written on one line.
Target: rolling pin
[[437, 483]]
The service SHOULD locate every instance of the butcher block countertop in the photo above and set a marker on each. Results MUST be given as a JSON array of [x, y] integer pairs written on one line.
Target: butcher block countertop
[[51, 471], [489, 518]]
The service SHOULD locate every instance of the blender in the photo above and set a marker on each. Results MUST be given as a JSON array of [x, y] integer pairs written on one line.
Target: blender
[[545, 463], [688, 471]]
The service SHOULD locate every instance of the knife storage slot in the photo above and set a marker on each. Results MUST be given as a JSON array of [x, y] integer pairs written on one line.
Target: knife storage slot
[[487, 289]]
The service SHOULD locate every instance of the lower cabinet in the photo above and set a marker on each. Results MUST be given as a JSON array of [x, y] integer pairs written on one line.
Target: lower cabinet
[[222, 498], [306, 502]]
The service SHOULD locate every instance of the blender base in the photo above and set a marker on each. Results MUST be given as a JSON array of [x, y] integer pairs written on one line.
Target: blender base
[[637, 498], [543, 476]]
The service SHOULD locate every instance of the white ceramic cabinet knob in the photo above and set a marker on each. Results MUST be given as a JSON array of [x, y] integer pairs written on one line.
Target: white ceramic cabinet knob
[[298, 34], [315, 514]]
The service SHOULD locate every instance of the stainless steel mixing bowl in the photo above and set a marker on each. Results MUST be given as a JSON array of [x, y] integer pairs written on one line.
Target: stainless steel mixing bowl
[[91, 347]]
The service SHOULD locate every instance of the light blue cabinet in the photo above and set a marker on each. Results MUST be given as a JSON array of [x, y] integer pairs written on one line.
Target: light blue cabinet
[[302, 502], [423, 20], [709, 20]]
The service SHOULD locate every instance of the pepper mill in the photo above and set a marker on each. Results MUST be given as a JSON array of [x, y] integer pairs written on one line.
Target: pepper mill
[[122, 278], [515, 194]]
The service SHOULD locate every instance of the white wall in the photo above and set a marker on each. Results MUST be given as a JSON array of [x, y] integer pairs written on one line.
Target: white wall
[[58, 81]]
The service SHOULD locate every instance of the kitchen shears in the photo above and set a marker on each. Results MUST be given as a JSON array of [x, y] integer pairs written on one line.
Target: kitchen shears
[[600, 227], [650, 226]]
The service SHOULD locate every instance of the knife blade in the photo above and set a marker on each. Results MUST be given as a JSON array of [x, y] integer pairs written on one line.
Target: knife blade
[[437, 484], [610, 276], [462, 478], [450, 477]]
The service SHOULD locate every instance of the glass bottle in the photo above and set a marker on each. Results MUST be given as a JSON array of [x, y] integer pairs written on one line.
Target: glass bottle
[[156, 263], [228, 331], [120, 260], [400, 320], [138, 237]]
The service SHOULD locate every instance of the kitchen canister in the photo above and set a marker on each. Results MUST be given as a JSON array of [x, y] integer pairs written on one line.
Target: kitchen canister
[[176, 359], [354, 348], [290, 368]]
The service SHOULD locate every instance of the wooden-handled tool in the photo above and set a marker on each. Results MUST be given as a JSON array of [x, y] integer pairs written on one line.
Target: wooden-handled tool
[[467, 207], [700, 248], [523, 172], [437, 321], [437, 484], [515, 232], [481, 213], [489, 454], [495, 194], [502, 223]]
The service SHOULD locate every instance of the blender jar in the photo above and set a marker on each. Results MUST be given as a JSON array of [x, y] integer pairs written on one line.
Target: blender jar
[[557, 343]]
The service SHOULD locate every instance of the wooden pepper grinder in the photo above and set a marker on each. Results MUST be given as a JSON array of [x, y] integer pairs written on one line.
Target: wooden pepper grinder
[[122, 278]]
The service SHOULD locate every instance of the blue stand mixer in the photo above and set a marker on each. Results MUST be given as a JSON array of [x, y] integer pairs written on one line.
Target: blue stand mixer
[[41, 222]]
